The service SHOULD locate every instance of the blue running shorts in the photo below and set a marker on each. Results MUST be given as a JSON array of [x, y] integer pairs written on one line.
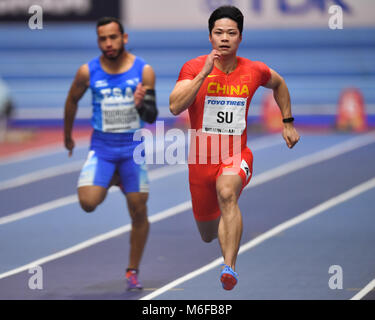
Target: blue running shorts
[[110, 152]]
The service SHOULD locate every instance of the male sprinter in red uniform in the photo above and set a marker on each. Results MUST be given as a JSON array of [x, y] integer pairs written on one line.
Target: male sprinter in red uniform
[[217, 90]]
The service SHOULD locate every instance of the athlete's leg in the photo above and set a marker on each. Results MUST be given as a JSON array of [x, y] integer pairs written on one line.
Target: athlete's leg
[[208, 229], [135, 186], [229, 185], [91, 196], [228, 188], [93, 181], [202, 184], [140, 226]]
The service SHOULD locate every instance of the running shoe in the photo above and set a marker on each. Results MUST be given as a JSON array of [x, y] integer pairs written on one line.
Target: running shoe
[[228, 277], [132, 279]]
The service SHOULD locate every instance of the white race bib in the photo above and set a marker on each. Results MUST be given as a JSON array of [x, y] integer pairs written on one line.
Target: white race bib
[[119, 115], [224, 115]]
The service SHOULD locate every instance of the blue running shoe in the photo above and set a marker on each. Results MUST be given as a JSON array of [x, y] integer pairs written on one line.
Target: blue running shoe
[[228, 277], [133, 282]]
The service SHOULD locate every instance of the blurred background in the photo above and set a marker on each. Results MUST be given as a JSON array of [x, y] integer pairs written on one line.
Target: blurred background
[[323, 48]]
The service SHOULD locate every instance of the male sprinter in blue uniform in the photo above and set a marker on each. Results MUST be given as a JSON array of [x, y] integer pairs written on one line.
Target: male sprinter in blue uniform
[[123, 97]]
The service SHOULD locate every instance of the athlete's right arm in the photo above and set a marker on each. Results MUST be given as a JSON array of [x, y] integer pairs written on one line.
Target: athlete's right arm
[[78, 88], [185, 91]]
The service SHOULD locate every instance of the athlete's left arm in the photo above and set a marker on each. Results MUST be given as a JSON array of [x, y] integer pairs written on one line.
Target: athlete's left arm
[[282, 98], [144, 96]]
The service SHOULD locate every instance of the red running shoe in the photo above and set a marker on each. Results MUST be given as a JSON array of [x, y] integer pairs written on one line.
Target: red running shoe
[[228, 278], [132, 279]]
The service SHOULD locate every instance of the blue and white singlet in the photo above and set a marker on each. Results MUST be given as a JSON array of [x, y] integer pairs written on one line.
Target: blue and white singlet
[[114, 119]]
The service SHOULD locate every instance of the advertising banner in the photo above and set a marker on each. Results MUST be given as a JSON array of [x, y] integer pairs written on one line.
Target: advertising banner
[[61, 10], [193, 14]]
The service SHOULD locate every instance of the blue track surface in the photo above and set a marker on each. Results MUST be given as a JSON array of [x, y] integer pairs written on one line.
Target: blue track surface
[[291, 265]]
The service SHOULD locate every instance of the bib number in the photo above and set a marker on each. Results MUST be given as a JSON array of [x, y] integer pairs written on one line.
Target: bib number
[[119, 116], [224, 115]]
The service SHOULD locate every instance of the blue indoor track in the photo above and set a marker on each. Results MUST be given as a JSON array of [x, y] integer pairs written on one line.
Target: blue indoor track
[[305, 210]]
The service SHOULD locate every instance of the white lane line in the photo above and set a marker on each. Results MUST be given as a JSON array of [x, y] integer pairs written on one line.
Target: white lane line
[[41, 174], [37, 175], [363, 187], [370, 286], [300, 163], [264, 142], [65, 169], [103, 237], [54, 204], [39, 152], [310, 159], [175, 210], [47, 150], [166, 171], [39, 209]]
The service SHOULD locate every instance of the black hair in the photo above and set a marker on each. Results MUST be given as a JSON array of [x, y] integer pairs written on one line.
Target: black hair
[[230, 12], [106, 20]]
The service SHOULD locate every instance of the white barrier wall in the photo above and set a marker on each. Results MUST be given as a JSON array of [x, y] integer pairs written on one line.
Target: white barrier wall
[[193, 14]]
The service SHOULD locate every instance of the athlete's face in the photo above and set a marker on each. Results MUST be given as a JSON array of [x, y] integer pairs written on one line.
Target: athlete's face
[[225, 36], [110, 40]]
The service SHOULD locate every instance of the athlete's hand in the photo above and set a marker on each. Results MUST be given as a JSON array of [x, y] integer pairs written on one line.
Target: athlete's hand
[[69, 144], [139, 94], [209, 64], [290, 135]]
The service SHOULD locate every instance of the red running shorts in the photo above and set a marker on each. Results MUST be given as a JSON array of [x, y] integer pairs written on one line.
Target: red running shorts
[[202, 180]]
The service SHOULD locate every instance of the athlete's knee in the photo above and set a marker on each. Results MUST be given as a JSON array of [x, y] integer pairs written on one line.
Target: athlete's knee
[[226, 195], [208, 238], [87, 206], [140, 221], [137, 205], [138, 214], [208, 230], [90, 197]]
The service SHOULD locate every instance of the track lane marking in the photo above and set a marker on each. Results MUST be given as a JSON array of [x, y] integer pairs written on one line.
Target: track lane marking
[[64, 201], [324, 206], [370, 286], [182, 207], [54, 171], [38, 152]]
